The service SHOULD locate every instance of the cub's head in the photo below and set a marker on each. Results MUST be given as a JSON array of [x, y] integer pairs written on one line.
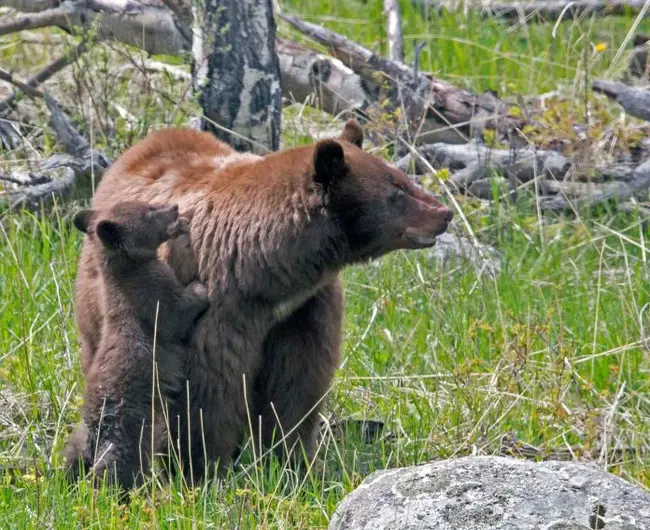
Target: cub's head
[[380, 208], [135, 229]]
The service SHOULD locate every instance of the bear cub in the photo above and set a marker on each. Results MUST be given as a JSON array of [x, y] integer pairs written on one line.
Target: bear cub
[[148, 315]]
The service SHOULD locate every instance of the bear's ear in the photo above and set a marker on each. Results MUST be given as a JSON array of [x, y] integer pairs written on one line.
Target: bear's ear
[[353, 133], [109, 232], [329, 162], [81, 220]]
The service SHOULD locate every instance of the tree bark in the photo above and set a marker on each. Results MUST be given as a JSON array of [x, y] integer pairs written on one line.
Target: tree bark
[[242, 91], [394, 31]]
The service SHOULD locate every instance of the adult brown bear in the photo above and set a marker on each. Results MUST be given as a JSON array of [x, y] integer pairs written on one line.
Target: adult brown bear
[[269, 236]]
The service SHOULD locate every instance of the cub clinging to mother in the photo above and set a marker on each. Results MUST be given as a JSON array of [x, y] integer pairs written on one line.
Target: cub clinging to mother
[[148, 315], [269, 236]]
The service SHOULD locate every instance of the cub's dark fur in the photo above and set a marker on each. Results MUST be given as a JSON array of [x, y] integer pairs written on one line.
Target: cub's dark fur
[[144, 305]]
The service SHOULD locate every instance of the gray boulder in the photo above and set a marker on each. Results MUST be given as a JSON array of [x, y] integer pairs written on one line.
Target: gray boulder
[[494, 493]]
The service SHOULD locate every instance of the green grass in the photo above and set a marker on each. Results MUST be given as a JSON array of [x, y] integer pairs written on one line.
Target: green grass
[[547, 351], [551, 350], [482, 54]]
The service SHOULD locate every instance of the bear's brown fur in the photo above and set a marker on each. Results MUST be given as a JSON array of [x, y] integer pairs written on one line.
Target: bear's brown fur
[[148, 315], [269, 235]]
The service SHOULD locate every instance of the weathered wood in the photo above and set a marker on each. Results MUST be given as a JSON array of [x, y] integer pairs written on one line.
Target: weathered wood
[[44, 74], [319, 80], [150, 27], [438, 111], [472, 161], [59, 174], [635, 101], [432, 109], [569, 196], [243, 93]]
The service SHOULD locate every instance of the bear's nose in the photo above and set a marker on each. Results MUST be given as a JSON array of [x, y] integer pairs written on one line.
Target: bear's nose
[[446, 214]]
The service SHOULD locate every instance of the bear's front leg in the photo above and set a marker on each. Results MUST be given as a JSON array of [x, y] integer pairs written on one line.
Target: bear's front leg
[[78, 454], [222, 364], [300, 357]]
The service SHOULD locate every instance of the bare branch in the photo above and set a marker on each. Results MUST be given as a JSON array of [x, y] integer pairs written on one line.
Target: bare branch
[[9, 78], [394, 30], [60, 174], [576, 195], [433, 108], [42, 76], [62, 16]]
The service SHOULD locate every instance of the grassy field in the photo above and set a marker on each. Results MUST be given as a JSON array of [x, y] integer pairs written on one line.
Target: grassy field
[[552, 351]]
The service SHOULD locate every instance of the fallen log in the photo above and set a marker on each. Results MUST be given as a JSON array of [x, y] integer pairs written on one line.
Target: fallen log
[[319, 80], [471, 162], [571, 196], [635, 101], [433, 110], [148, 27], [436, 110], [308, 76]]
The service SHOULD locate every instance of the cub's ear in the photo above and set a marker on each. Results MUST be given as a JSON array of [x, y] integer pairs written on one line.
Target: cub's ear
[[353, 133], [109, 232], [329, 162], [81, 220]]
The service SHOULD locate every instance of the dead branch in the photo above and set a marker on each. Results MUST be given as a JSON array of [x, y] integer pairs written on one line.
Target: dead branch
[[25, 87], [635, 101], [42, 76], [59, 174], [394, 31], [59, 16], [10, 137], [567, 196], [433, 108], [471, 162]]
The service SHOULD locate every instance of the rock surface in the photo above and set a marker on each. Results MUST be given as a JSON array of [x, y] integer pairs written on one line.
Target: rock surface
[[451, 249], [494, 493]]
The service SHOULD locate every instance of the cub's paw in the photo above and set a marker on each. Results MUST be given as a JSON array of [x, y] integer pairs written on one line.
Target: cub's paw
[[178, 228], [199, 290]]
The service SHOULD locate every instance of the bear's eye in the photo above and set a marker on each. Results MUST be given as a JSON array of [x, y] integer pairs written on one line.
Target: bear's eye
[[397, 195]]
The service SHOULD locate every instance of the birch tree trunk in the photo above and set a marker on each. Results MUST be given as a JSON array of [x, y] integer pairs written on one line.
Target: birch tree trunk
[[241, 97]]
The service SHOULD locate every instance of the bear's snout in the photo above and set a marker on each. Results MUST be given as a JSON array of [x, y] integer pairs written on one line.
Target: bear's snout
[[445, 214]]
